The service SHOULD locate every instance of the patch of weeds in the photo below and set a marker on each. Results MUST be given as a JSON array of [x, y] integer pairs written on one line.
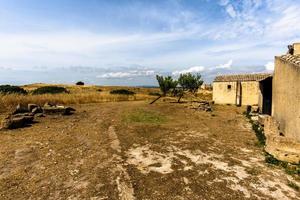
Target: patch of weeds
[[143, 116], [259, 133], [271, 159], [291, 169], [293, 185], [253, 171]]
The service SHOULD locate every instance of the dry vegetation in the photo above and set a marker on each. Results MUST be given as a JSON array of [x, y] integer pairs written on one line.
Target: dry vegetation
[[81, 95]]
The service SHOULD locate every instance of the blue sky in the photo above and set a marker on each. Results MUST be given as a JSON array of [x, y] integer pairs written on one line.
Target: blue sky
[[127, 42]]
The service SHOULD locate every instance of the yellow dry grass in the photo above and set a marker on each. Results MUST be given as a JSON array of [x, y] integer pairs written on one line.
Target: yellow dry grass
[[77, 95]]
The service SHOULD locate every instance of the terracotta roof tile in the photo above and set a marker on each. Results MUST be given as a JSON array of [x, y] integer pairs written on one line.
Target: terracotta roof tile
[[242, 77], [291, 58]]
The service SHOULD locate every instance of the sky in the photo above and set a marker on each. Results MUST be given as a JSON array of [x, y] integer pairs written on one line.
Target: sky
[[128, 42]]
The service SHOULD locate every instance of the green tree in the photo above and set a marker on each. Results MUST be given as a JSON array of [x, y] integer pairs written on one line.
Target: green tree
[[189, 82], [166, 84]]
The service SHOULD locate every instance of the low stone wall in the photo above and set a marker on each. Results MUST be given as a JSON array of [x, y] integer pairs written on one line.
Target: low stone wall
[[278, 145]]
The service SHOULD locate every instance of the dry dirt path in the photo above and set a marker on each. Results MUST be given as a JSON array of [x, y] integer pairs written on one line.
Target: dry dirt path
[[132, 150]]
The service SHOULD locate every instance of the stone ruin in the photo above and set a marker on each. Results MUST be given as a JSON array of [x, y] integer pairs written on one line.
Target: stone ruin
[[24, 115], [201, 106], [281, 147]]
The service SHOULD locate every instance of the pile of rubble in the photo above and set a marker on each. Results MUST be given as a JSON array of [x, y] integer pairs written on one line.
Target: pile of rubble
[[24, 115], [255, 116], [201, 106]]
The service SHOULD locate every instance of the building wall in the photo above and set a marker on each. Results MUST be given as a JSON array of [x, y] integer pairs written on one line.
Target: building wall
[[223, 95], [286, 98], [250, 93]]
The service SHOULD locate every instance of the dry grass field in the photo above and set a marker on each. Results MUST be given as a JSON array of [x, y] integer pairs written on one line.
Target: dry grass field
[[120, 147], [77, 95]]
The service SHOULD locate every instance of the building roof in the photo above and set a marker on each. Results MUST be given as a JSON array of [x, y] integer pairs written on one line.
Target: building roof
[[295, 59], [242, 77]]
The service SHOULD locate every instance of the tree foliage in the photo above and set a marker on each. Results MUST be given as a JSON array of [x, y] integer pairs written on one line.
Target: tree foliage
[[190, 82], [166, 84]]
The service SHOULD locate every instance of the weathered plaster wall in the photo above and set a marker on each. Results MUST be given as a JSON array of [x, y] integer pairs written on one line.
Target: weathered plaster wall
[[296, 49], [286, 98], [250, 93], [223, 95]]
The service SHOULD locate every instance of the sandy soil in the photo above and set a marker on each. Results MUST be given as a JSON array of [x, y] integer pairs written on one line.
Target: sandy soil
[[98, 154]]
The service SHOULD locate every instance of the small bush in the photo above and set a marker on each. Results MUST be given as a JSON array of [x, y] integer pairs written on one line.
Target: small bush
[[99, 90], [80, 83], [154, 94], [50, 90], [9, 89], [122, 91], [293, 185]]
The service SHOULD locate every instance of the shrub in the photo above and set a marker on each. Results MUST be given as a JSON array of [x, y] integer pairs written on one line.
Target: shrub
[[80, 83], [49, 90], [122, 91], [154, 94], [9, 89]]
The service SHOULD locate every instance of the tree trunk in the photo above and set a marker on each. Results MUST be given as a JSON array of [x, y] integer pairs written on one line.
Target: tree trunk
[[155, 100], [179, 98]]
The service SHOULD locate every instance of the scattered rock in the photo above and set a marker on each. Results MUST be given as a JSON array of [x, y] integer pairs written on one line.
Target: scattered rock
[[201, 105], [24, 114], [37, 110], [58, 110], [32, 106], [21, 108], [14, 122], [39, 115]]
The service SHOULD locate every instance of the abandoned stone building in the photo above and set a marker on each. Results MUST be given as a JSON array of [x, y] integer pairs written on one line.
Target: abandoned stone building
[[245, 89], [282, 129]]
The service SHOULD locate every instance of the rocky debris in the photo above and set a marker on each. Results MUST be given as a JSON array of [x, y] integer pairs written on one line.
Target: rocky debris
[[21, 108], [201, 106], [24, 115], [37, 110], [261, 119], [57, 110], [17, 121]]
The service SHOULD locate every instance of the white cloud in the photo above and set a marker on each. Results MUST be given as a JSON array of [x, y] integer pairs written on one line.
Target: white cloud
[[231, 11], [227, 65], [269, 66], [195, 69], [130, 74]]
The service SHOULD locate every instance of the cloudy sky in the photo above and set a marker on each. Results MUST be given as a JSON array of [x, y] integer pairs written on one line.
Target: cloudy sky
[[128, 42]]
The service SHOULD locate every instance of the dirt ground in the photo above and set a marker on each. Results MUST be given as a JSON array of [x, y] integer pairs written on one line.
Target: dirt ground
[[133, 150]]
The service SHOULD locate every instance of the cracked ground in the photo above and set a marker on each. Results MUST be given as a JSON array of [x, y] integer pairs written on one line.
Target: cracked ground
[[133, 150]]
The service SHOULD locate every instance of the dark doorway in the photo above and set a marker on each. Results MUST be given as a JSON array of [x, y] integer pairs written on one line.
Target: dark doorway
[[266, 89]]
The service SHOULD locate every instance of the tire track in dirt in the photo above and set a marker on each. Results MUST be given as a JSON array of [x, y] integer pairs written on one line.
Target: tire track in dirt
[[123, 181]]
